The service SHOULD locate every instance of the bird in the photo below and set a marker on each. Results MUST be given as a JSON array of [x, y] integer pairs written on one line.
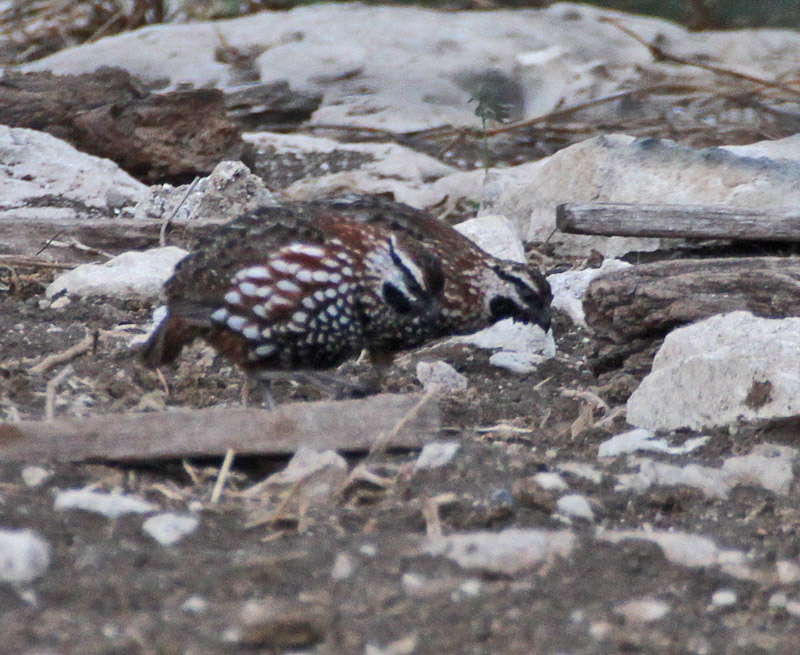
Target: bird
[[275, 291], [480, 289]]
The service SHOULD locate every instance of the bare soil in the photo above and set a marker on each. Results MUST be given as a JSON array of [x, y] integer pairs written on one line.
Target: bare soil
[[111, 589]]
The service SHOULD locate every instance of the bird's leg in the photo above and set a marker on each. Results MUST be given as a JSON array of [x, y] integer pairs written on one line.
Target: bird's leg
[[261, 383]]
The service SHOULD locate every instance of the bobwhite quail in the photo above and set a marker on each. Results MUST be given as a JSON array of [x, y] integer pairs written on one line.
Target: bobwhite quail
[[275, 291], [479, 289]]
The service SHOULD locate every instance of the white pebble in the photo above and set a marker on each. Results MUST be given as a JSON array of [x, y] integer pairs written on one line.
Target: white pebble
[[35, 476], [575, 506], [168, 528], [112, 505], [24, 556], [436, 454], [342, 567], [724, 598]]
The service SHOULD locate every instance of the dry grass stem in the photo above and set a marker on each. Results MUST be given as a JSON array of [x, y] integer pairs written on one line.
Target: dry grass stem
[[52, 388], [84, 346], [224, 470]]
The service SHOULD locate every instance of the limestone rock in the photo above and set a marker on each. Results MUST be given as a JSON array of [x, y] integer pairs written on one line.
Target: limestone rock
[[717, 371]]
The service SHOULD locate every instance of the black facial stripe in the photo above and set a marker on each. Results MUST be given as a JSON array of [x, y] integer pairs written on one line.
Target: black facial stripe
[[396, 299], [524, 289]]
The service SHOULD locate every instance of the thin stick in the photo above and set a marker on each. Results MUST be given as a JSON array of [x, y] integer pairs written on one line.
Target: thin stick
[[224, 470], [663, 55], [52, 387], [33, 262], [162, 235], [379, 444], [81, 348]]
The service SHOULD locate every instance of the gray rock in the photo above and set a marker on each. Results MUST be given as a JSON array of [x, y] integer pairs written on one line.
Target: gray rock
[[767, 466], [110, 504], [575, 506], [169, 528], [140, 274], [343, 567], [230, 190], [41, 172], [505, 552], [441, 376], [720, 370], [369, 167], [619, 168], [24, 556], [643, 610], [644, 440], [570, 287], [437, 454], [496, 235]]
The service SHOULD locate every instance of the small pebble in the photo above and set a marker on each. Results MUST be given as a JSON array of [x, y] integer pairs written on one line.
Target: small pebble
[[436, 454], [643, 610], [112, 505], [724, 598], [168, 528], [551, 481], [24, 556], [575, 506], [195, 605], [342, 567], [35, 476]]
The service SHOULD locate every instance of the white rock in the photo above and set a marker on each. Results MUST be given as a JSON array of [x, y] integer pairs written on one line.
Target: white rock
[[169, 528], [314, 479], [404, 646], [370, 550], [570, 287], [644, 440], [343, 567], [441, 376], [471, 587], [767, 466], [24, 556], [687, 549], [788, 571], [778, 600], [643, 610], [550, 481], [582, 470], [619, 168], [436, 454], [35, 476], [575, 506], [351, 54], [39, 169], [522, 346], [111, 504], [195, 605], [505, 552], [129, 274], [517, 362], [496, 235], [717, 371], [793, 608], [414, 584], [383, 167], [724, 598]]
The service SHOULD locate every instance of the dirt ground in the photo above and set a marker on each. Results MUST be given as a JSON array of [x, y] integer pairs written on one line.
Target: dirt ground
[[110, 589]]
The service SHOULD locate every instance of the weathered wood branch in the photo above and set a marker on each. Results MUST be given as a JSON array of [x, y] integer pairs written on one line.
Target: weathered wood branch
[[109, 113], [349, 425], [651, 299], [680, 221], [26, 236]]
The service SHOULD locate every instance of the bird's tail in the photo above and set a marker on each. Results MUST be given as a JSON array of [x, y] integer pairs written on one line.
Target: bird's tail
[[169, 338]]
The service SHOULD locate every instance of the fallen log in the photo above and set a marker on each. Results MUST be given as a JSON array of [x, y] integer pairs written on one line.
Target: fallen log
[[391, 420], [26, 237], [648, 300], [109, 113], [680, 221]]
